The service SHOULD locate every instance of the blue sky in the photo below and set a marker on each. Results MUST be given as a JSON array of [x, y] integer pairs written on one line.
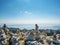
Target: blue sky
[[30, 11]]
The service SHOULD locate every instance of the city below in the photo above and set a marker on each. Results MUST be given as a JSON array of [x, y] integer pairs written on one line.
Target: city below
[[36, 36]]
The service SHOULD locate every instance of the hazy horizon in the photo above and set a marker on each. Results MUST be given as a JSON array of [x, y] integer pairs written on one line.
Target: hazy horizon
[[32, 26]]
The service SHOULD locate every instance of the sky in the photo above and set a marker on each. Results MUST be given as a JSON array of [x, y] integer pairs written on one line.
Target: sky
[[30, 11]]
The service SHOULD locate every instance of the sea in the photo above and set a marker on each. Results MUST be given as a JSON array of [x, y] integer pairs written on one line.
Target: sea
[[32, 26]]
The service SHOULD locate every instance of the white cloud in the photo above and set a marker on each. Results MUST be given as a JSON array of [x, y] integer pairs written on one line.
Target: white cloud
[[27, 12]]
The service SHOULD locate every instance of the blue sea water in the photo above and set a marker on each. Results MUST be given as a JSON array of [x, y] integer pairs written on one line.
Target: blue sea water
[[32, 26]]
